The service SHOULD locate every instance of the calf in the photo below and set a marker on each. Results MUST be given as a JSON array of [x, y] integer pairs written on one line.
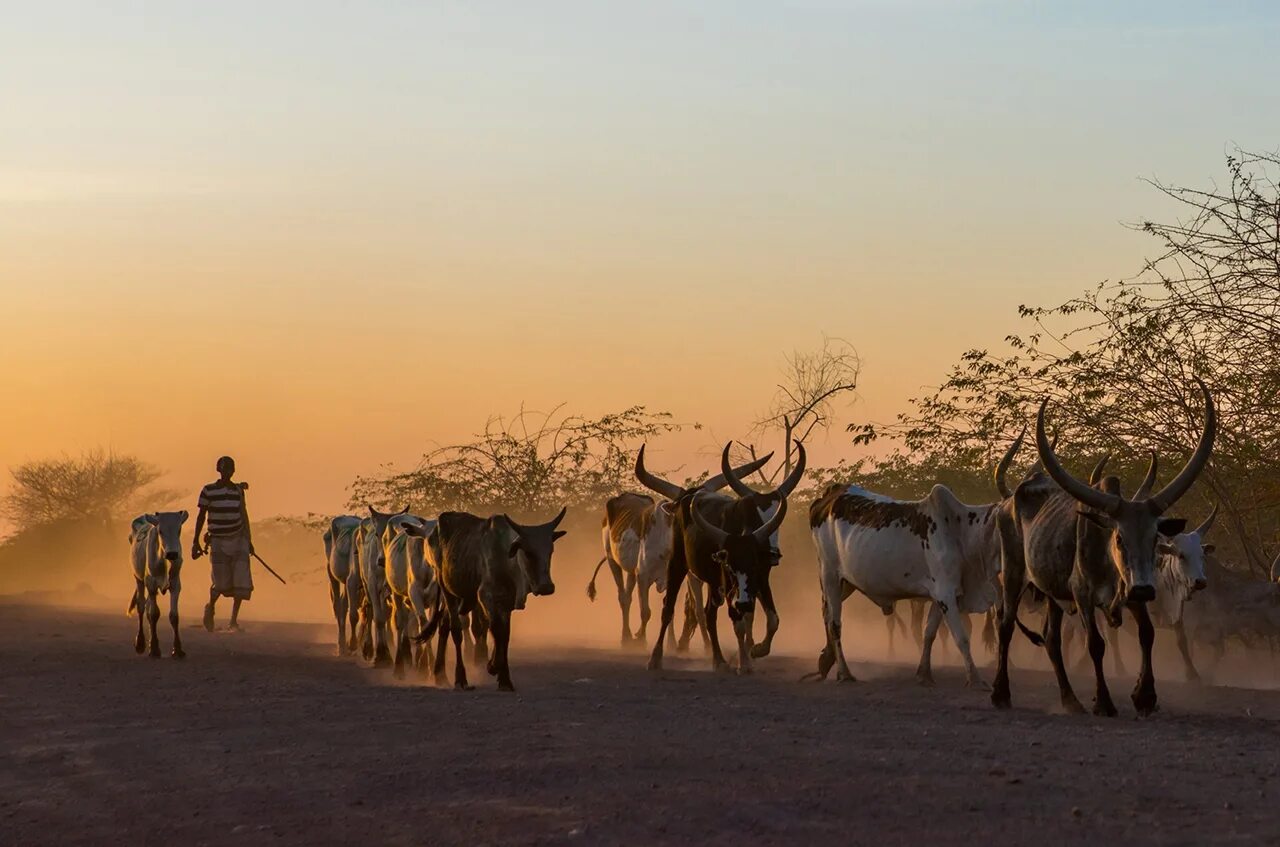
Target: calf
[[156, 544]]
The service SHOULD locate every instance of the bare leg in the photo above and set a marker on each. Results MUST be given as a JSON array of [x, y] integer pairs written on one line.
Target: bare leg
[[234, 623]]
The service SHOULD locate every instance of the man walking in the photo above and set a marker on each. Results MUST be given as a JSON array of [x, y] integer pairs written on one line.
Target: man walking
[[230, 541]]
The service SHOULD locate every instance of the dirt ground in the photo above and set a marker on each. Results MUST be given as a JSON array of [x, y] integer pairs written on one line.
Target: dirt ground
[[266, 737]]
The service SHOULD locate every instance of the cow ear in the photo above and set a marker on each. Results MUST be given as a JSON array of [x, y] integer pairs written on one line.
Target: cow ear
[[151, 519], [1208, 548], [557, 535], [1097, 519], [1167, 548], [1169, 527]]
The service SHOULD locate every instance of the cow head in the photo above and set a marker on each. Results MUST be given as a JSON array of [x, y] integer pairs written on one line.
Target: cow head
[[1182, 557], [532, 549], [766, 503], [1134, 524], [656, 544], [745, 557], [169, 528]]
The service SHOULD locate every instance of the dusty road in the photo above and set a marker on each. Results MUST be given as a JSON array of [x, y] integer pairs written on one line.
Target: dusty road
[[266, 738]]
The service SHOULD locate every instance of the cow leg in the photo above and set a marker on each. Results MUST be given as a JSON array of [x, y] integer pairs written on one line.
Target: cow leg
[[1102, 704], [442, 647], [917, 620], [642, 590], [770, 622], [1013, 567], [712, 607], [153, 615], [381, 652], [1117, 662], [1053, 646], [890, 619], [338, 598], [399, 623], [501, 626], [460, 668], [140, 604], [962, 633], [1144, 692], [676, 572], [479, 628], [354, 594], [694, 616], [175, 588], [924, 671], [1189, 668], [625, 583], [742, 632], [833, 613]]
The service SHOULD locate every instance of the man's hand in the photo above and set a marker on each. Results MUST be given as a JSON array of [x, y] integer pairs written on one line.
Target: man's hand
[[252, 552], [196, 552]]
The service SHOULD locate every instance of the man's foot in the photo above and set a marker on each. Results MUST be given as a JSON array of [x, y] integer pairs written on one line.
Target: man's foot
[[208, 617]]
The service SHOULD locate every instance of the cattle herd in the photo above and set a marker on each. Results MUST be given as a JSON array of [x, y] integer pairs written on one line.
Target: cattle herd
[[403, 586]]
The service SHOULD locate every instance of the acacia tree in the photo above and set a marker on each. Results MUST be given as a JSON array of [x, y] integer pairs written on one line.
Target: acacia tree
[[1117, 363], [530, 464], [812, 384], [94, 485]]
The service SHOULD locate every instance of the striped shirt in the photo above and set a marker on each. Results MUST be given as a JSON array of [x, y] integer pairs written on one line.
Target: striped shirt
[[225, 505]]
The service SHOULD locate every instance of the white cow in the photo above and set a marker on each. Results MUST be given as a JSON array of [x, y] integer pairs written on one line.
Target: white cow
[[345, 588], [375, 610], [937, 548], [637, 537], [156, 544], [1180, 574], [410, 577]]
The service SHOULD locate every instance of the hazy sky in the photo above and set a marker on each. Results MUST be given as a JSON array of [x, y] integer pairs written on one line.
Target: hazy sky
[[319, 235]]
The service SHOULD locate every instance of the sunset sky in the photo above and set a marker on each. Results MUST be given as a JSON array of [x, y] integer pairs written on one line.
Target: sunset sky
[[320, 236]]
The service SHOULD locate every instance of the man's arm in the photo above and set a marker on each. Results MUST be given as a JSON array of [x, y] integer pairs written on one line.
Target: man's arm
[[195, 542], [244, 516]]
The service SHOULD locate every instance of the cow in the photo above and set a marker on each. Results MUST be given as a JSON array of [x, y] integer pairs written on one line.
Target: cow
[[375, 610], [1099, 557], [1180, 576], [1235, 606], [345, 588], [937, 548], [155, 541], [489, 565], [409, 577], [637, 536], [700, 552]]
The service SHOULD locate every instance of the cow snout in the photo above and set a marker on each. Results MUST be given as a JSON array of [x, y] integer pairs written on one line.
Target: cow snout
[[172, 557], [1142, 594], [544, 589], [1199, 585]]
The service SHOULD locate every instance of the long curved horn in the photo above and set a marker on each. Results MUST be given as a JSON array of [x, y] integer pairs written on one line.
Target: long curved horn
[[793, 479], [1038, 466], [1204, 528], [555, 522], [1103, 502], [739, 487], [667, 489], [1148, 481], [718, 535], [720, 481], [1187, 476], [1002, 469], [764, 533], [1095, 475]]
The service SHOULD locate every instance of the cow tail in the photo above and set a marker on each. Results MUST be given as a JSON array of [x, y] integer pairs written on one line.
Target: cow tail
[[1034, 637], [133, 604], [591, 586], [437, 616], [989, 632]]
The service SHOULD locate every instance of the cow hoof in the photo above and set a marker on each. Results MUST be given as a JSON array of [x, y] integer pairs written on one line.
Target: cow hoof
[[506, 686], [1001, 700], [440, 681], [759, 651], [462, 686], [1104, 710], [1146, 705], [844, 677], [179, 653], [925, 679], [977, 684], [397, 672], [655, 663], [382, 662], [155, 654], [140, 646], [682, 646], [743, 670], [492, 668]]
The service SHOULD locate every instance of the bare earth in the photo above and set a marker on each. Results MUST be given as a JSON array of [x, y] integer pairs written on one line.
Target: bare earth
[[266, 737]]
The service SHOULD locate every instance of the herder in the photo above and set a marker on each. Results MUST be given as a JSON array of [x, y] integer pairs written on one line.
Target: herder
[[230, 541]]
